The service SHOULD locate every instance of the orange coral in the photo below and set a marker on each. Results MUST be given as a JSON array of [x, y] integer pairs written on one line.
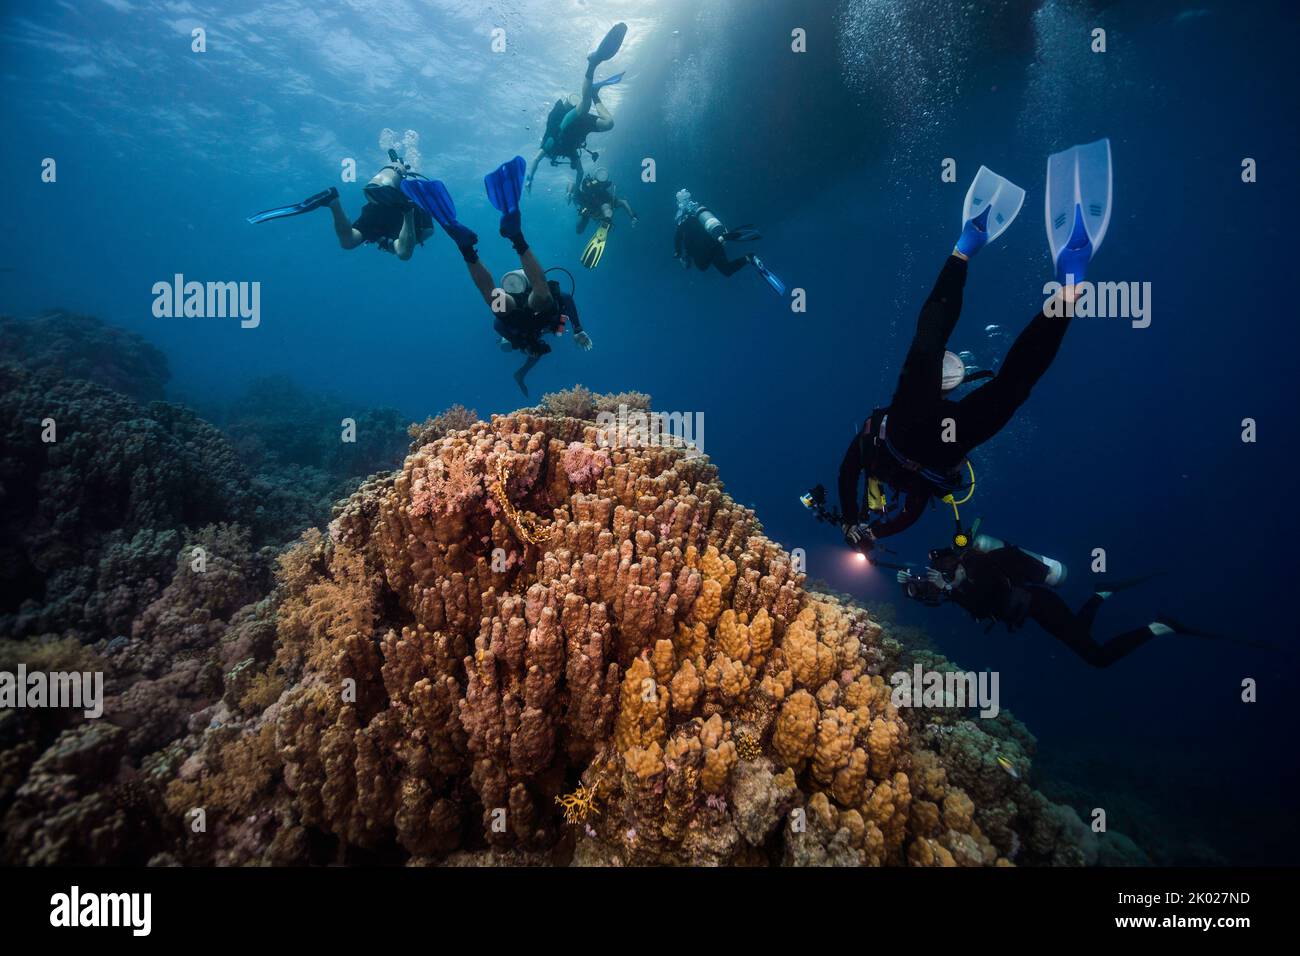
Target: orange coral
[[450, 669]]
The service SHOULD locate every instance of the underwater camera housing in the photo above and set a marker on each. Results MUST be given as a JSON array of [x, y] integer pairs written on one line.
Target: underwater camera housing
[[814, 498]]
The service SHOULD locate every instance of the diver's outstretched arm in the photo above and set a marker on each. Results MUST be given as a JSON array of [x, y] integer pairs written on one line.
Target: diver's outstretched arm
[[627, 207], [532, 169], [404, 245], [913, 507], [851, 468]]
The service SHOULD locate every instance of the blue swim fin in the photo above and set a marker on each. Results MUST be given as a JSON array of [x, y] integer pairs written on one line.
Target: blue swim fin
[[1078, 207], [322, 198], [768, 275], [992, 203], [608, 81], [610, 45], [505, 185], [432, 196]]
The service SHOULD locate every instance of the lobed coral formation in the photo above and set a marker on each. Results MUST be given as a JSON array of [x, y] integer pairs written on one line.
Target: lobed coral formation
[[580, 402], [456, 418], [652, 683]]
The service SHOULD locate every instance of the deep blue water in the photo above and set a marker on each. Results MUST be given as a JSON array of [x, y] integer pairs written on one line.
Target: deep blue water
[[1131, 443]]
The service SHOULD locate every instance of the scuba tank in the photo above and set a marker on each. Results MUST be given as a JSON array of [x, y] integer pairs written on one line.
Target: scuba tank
[[1056, 571], [551, 136], [385, 186], [687, 207], [711, 223], [515, 284]]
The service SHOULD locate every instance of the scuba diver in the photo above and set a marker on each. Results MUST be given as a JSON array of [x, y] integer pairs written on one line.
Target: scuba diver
[[571, 120], [918, 445], [596, 199], [526, 305], [995, 581], [388, 219], [701, 238]]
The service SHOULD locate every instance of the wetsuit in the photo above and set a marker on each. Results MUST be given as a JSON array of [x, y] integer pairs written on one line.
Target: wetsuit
[[380, 223], [902, 445], [571, 136], [523, 327], [593, 196], [693, 241], [1007, 585]]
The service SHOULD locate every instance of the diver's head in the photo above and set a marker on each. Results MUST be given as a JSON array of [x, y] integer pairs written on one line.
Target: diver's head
[[514, 282], [945, 561], [954, 371]]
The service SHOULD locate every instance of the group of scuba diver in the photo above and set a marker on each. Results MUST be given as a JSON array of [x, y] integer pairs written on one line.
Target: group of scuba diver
[[911, 452], [917, 448], [402, 207]]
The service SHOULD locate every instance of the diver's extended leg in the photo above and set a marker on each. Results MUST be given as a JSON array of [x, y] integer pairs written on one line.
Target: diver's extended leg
[[1053, 615], [349, 238], [724, 265], [919, 381], [604, 118], [984, 412], [729, 267], [522, 372]]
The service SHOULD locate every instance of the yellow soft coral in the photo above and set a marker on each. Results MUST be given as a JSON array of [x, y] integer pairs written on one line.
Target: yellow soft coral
[[579, 805]]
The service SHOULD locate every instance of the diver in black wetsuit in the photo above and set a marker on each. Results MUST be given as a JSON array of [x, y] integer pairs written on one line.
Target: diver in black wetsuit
[[535, 313], [904, 445], [597, 198], [1011, 585], [700, 238]]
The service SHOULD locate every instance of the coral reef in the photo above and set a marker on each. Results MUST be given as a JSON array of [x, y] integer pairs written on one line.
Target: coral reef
[[74, 790], [291, 440], [521, 647], [520, 644], [582, 403], [66, 345], [277, 424], [455, 419], [91, 520]]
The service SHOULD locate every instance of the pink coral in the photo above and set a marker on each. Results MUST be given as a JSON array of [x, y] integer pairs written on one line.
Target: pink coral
[[583, 464]]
